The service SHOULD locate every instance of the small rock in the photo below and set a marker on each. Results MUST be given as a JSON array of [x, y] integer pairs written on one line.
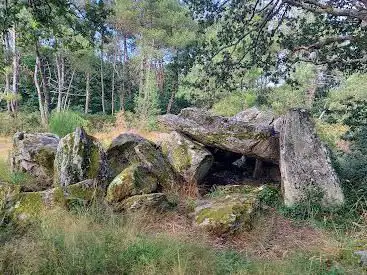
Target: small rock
[[363, 255], [230, 210]]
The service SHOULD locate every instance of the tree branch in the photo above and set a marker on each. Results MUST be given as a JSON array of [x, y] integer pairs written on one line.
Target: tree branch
[[325, 41], [317, 7]]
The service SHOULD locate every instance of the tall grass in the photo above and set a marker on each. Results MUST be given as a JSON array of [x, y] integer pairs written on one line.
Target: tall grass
[[99, 242], [64, 123]]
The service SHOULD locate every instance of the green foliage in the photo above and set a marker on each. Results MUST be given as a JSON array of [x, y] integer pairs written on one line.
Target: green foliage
[[8, 176], [310, 208], [64, 123], [234, 103], [28, 122], [270, 196]]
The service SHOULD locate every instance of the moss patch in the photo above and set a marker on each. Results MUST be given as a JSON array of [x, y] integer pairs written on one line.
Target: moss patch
[[134, 180], [227, 214], [28, 206]]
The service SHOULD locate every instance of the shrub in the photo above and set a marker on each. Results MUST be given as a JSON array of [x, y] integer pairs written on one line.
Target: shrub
[[28, 122], [234, 103], [64, 123]]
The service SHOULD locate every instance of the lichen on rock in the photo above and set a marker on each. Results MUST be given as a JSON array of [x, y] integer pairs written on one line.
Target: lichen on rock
[[80, 157], [154, 201], [190, 159], [230, 211], [35, 154], [134, 180]]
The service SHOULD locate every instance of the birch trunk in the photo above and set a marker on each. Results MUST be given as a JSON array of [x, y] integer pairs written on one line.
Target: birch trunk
[[87, 92]]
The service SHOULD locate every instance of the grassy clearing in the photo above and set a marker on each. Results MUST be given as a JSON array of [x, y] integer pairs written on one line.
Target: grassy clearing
[[99, 242]]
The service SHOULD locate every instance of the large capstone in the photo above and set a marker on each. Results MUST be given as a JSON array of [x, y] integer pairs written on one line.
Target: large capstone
[[80, 157], [250, 135], [190, 159], [35, 154], [305, 164]]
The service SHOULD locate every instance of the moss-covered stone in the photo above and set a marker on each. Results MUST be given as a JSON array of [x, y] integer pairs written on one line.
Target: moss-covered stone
[[34, 155], [228, 212], [80, 157], [121, 153], [28, 206], [134, 180], [154, 201], [190, 159], [154, 160]]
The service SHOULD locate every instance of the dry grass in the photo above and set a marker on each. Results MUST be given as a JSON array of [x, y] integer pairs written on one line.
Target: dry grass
[[5, 146]]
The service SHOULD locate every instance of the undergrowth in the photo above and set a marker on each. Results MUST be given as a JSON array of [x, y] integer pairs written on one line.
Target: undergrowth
[[98, 242]]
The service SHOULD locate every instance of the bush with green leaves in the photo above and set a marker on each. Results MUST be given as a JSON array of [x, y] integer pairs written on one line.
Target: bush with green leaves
[[63, 123], [234, 103], [28, 122]]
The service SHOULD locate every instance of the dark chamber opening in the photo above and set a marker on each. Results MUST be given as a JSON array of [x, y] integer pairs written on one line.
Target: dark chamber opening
[[235, 169]]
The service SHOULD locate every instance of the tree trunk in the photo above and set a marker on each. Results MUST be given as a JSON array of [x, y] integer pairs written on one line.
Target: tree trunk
[[87, 92], [102, 84], [67, 100], [14, 103], [39, 92], [174, 91], [113, 80], [60, 65]]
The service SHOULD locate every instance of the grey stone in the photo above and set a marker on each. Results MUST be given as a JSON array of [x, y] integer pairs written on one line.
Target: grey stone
[[305, 163], [190, 159], [80, 157], [35, 154], [234, 134]]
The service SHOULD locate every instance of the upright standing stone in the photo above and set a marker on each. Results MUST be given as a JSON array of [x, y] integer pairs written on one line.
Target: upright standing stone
[[305, 163], [80, 157]]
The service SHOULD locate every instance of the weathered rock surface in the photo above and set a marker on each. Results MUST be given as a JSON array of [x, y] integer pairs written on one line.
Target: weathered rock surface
[[121, 153], [230, 209], [130, 149], [79, 157], [35, 154], [154, 201], [250, 137], [190, 159], [23, 207], [134, 180], [305, 163]]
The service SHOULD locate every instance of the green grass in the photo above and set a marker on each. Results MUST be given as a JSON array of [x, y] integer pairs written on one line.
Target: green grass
[[64, 123], [99, 242], [8, 176]]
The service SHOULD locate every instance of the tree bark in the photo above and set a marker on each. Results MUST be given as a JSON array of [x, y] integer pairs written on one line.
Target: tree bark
[[102, 83], [113, 80], [39, 92], [174, 91], [60, 65], [14, 103], [87, 92]]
